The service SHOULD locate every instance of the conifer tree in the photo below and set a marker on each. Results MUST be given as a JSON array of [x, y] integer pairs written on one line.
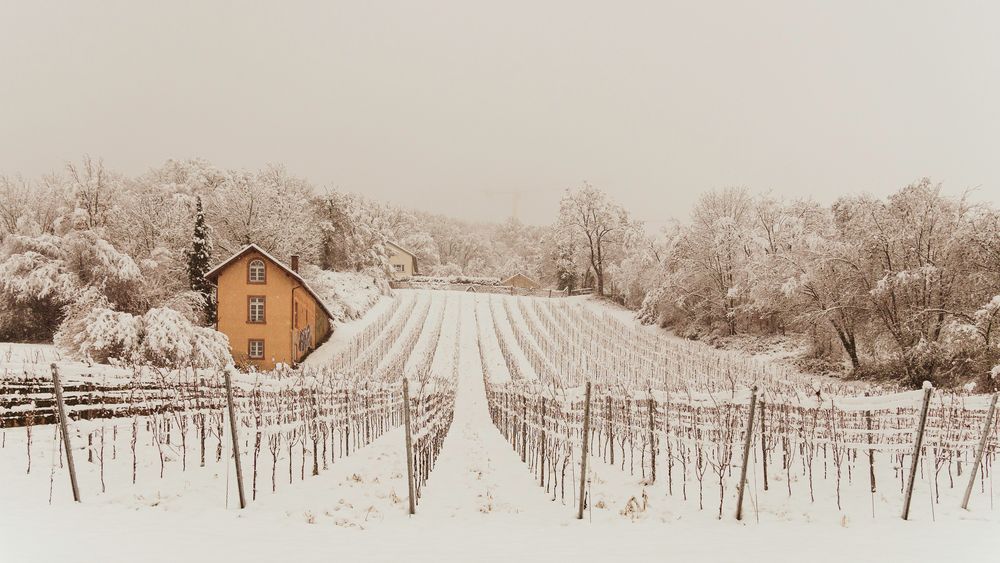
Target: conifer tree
[[199, 256]]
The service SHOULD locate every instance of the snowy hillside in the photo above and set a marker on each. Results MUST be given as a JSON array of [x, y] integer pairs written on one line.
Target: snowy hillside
[[496, 395], [348, 295]]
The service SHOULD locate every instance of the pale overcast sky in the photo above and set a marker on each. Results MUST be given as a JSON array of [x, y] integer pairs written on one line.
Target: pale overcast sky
[[434, 104]]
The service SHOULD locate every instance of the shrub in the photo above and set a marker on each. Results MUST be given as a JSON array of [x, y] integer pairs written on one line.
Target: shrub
[[162, 337]]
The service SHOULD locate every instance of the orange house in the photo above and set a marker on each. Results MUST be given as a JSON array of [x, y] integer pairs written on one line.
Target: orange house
[[266, 309]]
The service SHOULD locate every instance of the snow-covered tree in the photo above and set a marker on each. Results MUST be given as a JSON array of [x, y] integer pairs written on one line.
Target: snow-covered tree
[[269, 208], [588, 218], [914, 262], [353, 232], [703, 277], [94, 191], [423, 245], [199, 261]]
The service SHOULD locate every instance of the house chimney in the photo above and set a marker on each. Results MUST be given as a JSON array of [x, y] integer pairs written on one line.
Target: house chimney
[[295, 263]]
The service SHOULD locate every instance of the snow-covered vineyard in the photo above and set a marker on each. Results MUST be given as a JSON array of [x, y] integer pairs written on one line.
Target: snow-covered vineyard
[[500, 393]]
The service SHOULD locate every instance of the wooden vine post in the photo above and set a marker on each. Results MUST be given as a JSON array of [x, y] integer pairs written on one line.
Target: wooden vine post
[[409, 446], [747, 441], [763, 441], [541, 472], [57, 387], [987, 428], [651, 407], [585, 452], [917, 445], [524, 428], [871, 451], [610, 430], [236, 438]]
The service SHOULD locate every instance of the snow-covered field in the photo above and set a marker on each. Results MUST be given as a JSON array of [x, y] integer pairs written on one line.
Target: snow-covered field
[[348, 295], [481, 502]]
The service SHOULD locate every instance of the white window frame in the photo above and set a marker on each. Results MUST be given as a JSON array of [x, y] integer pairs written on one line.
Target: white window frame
[[250, 348], [257, 267], [257, 313]]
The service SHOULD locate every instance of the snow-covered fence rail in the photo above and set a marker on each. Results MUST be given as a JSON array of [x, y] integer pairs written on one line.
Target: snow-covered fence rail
[[545, 430], [305, 423], [315, 421], [481, 288], [697, 440], [288, 422], [32, 401]]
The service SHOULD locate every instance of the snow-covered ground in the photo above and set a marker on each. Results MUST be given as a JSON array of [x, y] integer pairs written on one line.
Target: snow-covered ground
[[34, 360], [481, 503], [343, 332], [348, 295]]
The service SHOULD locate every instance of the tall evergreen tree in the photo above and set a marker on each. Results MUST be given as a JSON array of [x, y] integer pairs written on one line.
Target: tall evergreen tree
[[199, 256]]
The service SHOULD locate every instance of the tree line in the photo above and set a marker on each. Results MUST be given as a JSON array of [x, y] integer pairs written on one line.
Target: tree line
[[113, 266], [906, 286]]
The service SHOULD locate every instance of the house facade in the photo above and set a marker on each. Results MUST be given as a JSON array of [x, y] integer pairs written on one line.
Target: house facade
[[402, 262], [267, 310]]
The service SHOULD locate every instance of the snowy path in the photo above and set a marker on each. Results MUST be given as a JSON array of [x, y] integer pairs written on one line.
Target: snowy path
[[359, 491], [478, 474]]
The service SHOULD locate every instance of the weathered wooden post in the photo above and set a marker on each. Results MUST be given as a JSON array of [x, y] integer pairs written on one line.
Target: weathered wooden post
[[524, 428], [651, 404], [236, 438], [763, 441], [748, 440], [409, 445], [871, 451], [61, 407], [611, 430], [917, 445], [585, 452], [987, 428], [541, 472]]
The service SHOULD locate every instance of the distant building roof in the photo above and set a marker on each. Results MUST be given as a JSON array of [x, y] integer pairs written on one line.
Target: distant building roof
[[213, 274], [520, 276]]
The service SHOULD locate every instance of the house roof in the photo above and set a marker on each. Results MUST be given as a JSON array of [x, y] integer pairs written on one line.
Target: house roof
[[520, 275], [405, 251], [213, 274]]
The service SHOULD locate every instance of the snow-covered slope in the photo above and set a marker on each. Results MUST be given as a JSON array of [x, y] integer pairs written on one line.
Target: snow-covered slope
[[481, 501]]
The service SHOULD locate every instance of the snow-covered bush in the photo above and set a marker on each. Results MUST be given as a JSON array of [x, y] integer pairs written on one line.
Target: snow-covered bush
[[108, 334], [169, 339], [160, 337]]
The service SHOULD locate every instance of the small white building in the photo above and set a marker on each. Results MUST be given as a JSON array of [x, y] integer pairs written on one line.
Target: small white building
[[402, 262]]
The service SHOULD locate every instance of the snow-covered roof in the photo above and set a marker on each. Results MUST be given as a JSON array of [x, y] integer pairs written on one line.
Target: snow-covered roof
[[519, 275], [214, 272]]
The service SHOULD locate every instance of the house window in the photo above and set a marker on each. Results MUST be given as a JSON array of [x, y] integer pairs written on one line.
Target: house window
[[255, 349], [399, 267], [255, 309], [256, 273]]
